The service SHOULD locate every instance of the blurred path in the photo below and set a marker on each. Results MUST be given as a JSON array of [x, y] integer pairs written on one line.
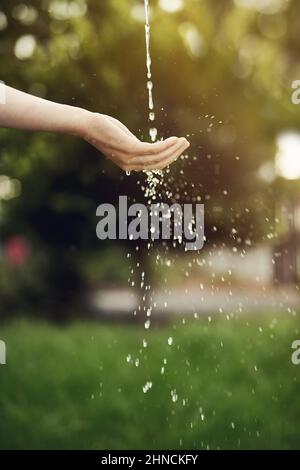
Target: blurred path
[[198, 301]]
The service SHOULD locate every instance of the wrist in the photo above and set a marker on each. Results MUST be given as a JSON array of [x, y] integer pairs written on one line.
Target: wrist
[[81, 119], [89, 122]]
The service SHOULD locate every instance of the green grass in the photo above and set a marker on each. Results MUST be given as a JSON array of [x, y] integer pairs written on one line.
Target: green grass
[[72, 388]]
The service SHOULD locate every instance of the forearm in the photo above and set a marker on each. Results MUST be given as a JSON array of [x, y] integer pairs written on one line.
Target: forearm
[[23, 111], [108, 135]]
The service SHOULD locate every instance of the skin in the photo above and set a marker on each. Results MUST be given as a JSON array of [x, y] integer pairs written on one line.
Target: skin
[[107, 134]]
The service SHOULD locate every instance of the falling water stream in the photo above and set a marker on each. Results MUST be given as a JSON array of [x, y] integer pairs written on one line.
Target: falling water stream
[[154, 178], [153, 188], [157, 186], [152, 130]]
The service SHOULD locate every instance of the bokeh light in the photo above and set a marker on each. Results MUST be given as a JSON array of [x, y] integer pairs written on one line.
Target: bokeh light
[[288, 155]]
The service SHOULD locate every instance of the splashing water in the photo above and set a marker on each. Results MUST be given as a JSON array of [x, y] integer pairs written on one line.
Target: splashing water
[[155, 187], [192, 266], [147, 387]]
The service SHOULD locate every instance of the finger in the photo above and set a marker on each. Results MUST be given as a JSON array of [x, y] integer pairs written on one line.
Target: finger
[[139, 158], [143, 148], [167, 157], [164, 160], [182, 145], [166, 163]]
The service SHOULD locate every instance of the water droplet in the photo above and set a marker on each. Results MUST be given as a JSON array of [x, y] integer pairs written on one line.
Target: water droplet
[[174, 396], [153, 133], [147, 387], [128, 358]]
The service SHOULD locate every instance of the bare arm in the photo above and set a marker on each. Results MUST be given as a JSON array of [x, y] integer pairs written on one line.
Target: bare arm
[[23, 111], [108, 135]]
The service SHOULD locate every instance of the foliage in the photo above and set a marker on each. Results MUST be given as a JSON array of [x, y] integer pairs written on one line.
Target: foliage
[[232, 382]]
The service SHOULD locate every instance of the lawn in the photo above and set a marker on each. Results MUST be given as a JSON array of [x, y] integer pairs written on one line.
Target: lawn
[[225, 384]]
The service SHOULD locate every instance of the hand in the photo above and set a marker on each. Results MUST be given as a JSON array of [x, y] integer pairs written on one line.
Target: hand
[[117, 143]]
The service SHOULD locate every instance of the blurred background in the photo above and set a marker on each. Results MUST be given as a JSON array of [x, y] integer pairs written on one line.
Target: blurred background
[[214, 369]]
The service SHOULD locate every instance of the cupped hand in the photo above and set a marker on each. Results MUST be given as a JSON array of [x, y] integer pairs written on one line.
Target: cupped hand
[[118, 144]]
